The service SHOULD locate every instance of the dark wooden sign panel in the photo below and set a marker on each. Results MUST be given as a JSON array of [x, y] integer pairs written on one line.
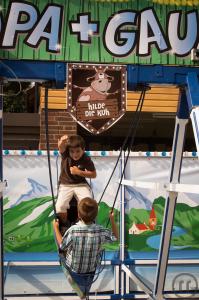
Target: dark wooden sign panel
[[96, 95]]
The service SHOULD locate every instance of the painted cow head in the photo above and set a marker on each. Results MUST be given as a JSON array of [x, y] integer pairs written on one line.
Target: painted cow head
[[101, 82]]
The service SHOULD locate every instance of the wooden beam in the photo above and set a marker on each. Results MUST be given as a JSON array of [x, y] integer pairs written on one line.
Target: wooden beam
[[153, 109], [158, 99]]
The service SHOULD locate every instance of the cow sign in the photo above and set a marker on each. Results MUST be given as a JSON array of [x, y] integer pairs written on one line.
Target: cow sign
[[96, 95]]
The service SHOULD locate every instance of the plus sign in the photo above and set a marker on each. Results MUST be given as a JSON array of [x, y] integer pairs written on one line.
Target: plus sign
[[84, 28]]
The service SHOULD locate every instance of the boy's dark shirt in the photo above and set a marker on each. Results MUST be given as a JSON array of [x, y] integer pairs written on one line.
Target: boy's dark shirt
[[83, 163]]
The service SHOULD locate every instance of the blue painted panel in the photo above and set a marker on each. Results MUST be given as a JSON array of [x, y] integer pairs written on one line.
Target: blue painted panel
[[56, 72], [34, 71], [158, 74]]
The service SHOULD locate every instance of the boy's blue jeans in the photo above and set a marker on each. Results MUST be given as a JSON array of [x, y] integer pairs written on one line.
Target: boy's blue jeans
[[81, 283], [84, 281]]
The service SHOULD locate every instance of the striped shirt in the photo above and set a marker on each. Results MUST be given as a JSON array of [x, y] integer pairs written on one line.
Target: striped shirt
[[83, 244]]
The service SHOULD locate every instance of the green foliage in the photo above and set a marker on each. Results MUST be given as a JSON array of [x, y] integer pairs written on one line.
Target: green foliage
[[15, 101]]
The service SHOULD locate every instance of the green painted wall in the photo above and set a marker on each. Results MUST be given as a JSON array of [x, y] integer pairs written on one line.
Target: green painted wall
[[95, 52]]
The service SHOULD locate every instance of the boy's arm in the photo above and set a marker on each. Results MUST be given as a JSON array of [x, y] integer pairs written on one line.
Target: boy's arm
[[113, 225], [62, 144], [58, 235], [87, 174]]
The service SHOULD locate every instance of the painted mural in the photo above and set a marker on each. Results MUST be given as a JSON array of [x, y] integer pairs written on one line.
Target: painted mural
[[28, 206]]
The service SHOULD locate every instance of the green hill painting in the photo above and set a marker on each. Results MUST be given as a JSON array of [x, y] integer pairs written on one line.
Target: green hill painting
[[25, 233]]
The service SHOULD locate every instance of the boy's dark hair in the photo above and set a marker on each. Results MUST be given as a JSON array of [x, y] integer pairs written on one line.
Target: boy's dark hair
[[75, 141], [87, 210]]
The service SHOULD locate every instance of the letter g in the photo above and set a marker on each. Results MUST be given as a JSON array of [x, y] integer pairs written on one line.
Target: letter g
[[113, 34]]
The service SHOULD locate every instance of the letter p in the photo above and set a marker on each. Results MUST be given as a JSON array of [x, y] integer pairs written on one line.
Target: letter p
[[16, 25]]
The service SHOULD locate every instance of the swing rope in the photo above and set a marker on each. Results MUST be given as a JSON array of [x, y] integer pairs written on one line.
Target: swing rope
[[57, 174], [136, 123], [48, 151], [130, 133], [62, 260]]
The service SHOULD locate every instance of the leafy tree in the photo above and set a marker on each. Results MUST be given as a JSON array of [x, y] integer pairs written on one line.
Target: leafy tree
[[15, 100]]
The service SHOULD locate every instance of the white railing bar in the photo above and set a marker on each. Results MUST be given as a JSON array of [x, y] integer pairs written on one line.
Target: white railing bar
[[169, 187]]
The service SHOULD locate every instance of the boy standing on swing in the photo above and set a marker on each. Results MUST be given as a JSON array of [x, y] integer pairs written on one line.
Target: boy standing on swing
[[76, 166], [82, 246]]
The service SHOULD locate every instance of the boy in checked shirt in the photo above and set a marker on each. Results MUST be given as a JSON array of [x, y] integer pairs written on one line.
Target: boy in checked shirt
[[82, 245]]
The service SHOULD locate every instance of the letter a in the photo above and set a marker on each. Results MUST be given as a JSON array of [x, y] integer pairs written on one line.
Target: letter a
[[52, 18]]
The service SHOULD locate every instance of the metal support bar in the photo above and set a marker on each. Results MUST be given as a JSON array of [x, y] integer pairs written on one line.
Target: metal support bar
[[138, 281], [37, 71], [122, 214], [117, 279], [176, 161], [56, 72], [192, 90], [153, 262], [158, 74], [122, 229], [73, 297], [195, 124], [57, 296], [1, 197], [169, 187], [191, 292], [128, 262]]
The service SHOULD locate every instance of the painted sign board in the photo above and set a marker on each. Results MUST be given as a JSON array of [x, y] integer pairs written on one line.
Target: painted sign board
[[144, 32], [96, 95]]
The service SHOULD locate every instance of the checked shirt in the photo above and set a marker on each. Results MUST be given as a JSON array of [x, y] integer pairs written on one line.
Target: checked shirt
[[83, 244]]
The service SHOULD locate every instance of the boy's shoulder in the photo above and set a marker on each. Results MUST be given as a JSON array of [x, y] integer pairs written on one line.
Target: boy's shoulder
[[85, 156], [87, 161], [99, 228], [64, 155], [73, 227], [91, 227]]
